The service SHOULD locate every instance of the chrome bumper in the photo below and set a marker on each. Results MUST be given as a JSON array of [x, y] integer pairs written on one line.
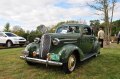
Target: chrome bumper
[[41, 61]]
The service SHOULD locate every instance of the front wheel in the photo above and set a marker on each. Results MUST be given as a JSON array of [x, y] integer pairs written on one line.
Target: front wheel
[[70, 65], [9, 44]]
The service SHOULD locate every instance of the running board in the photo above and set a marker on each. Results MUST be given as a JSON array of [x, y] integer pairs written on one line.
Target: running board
[[88, 56]]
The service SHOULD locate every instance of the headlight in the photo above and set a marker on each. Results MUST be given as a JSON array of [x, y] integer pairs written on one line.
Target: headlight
[[15, 39], [56, 41], [25, 53], [37, 40]]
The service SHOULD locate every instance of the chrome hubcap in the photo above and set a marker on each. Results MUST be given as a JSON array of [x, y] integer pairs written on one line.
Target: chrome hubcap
[[71, 62], [9, 44]]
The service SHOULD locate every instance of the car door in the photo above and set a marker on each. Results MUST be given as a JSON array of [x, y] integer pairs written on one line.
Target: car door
[[86, 40]]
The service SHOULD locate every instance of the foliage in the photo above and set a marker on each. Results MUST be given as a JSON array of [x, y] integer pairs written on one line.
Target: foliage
[[18, 30], [105, 7], [29, 35], [7, 27], [32, 35], [95, 25], [115, 27]]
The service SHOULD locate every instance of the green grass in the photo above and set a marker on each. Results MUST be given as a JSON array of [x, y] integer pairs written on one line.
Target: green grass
[[105, 66]]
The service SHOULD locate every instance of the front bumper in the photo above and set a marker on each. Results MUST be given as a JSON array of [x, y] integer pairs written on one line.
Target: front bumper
[[47, 62], [19, 42]]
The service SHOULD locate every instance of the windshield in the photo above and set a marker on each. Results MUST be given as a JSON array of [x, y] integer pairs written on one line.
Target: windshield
[[62, 29], [10, 35], [68, 29]]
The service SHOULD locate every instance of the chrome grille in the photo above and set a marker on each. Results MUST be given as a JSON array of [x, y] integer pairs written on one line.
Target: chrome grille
[[45, 45]]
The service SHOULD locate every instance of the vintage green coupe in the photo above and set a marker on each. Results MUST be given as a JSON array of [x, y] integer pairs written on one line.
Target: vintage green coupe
[[69, 44]]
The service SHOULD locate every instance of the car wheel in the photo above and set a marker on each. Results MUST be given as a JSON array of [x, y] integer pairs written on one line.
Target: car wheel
[[70, 65], [97, 54], [21, 45], [9, 44]]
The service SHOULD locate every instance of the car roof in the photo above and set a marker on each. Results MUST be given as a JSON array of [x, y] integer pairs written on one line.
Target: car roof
[[5, 32], [75, 25]]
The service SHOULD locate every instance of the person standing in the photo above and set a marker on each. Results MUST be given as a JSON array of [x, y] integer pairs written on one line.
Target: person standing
[[101, 37], [118, 39]]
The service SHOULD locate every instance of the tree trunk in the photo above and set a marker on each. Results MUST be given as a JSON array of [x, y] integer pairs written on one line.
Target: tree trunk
[[106, 22], [113, 5]]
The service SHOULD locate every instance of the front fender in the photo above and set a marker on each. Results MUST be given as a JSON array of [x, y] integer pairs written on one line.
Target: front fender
[[67, 50], [32, 47]]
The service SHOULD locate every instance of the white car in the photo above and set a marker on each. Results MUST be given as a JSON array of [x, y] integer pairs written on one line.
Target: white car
[[9, 39]]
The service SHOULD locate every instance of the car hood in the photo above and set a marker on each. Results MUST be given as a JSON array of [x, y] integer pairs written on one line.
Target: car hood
[[65, 36]]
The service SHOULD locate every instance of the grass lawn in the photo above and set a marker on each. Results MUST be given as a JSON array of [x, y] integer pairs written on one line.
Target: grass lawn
[[105, 66]]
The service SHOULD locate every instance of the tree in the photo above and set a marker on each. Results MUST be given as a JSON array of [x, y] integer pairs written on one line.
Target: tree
[[95, 25], [18, 30], [105, 7], [113, 5], [32, 35], [115, 27], [7, 27]]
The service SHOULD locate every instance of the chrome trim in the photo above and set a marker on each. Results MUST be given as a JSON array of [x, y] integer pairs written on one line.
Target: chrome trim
[[42, 42], [41, 45], [68, 39], [56, 40], [71, 42], [41, 61]]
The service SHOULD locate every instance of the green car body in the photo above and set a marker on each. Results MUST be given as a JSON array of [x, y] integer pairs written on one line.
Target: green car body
[[57, 48]]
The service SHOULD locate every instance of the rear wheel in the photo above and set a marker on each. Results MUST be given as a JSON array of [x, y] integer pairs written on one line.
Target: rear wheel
[[8, 44], [70, 65]]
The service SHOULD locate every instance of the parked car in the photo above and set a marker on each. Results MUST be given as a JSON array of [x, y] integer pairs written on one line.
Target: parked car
[[70, 44], [9, 39]]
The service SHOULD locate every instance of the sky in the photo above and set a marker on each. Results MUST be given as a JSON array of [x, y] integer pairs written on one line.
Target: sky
[[30, 13]]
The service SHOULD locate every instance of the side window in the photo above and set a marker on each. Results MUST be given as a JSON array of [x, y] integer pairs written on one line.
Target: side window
[[1, 35], [70, 29], [87, 31], [77, 29], [74, 29], [62, 29]]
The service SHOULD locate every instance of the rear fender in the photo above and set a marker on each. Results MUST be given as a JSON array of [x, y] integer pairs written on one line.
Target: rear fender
[[96, 47]]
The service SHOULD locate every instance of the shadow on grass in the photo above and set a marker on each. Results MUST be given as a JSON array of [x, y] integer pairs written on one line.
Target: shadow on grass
[[85, 62], [3, 47], [59, 69], [49, 68]]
